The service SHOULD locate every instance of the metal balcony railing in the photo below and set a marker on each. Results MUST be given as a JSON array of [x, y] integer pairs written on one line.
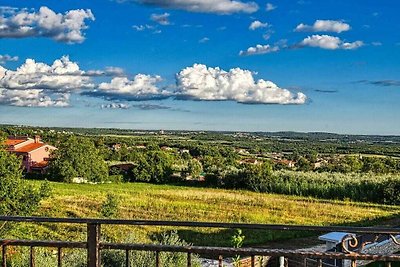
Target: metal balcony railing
[[352, 244]]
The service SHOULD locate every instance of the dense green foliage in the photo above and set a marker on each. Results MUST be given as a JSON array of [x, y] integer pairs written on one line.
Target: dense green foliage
[[152, 166], [353, 186], [17, 198], [78, 157], [109, 208]]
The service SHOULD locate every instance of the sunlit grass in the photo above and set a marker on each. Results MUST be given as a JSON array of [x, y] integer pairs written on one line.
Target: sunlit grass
[[167, 202]]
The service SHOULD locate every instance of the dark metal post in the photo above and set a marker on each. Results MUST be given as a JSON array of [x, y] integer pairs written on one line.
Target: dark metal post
[[189, 259], [59, 257], [32, 257], [4, 256], [157, 258], [93, 245], [127, 258], [253, 261]]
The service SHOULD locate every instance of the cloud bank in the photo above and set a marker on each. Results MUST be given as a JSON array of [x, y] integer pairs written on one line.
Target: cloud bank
[[67, 27], [39, 84], [222, 7], [200, 82]]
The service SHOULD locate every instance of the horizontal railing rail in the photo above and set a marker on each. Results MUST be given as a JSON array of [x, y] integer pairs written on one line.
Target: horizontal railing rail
[[283, 227], [94, 245]]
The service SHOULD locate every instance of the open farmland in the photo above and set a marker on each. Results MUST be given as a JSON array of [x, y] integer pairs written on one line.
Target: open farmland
[[168, 202]]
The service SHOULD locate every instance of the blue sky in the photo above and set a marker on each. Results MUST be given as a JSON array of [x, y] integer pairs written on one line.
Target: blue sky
[[243, 65]]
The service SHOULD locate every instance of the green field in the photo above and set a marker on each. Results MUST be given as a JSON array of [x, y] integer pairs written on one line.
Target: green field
[[167, 202]]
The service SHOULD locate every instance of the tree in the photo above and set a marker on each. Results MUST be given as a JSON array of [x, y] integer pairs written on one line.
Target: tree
[[78, 157], [155, 166], [303, 164], [16, 196], [258, 177], [194, 168]]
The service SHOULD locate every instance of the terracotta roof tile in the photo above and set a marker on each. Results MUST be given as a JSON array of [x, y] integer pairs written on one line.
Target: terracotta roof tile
[[13, 142], [29, 147]]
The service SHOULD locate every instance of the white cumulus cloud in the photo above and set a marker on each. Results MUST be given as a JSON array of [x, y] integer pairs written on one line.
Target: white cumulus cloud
[[38, 84], [141, 87], [67, 27], [259, 50], [33, 98], [324, 26], [62, 75], [200, 82], [329, 42], [223, 7], [257, 24]]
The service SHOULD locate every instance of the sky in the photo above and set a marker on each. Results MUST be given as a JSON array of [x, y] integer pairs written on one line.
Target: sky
[[225, 65]]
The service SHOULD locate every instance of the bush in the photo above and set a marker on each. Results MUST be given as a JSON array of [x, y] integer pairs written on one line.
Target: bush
[[391, 192], [109, 208]]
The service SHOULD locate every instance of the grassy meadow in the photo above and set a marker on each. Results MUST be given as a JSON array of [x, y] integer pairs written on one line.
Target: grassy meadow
[[168, 202]]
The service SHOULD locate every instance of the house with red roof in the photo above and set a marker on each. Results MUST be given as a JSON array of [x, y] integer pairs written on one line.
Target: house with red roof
[[34, 153]]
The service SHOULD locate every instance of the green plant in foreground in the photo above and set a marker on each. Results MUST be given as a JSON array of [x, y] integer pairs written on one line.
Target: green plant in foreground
[[237, 242]]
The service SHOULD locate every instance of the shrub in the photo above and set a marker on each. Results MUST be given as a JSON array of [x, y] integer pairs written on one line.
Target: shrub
[[391, 192], [109, 208]]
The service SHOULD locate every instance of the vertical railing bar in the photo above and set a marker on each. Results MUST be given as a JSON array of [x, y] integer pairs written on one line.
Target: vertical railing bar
[[353, 263], [319, 262], [127, 258], [253, 261], [189, 259], [32, 257], [93, 245], [59, 257], [388, 264], [4, 256], [220, 261], [157, 258]]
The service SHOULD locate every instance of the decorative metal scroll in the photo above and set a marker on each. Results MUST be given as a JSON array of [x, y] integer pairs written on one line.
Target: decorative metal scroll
[[351, 243]]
